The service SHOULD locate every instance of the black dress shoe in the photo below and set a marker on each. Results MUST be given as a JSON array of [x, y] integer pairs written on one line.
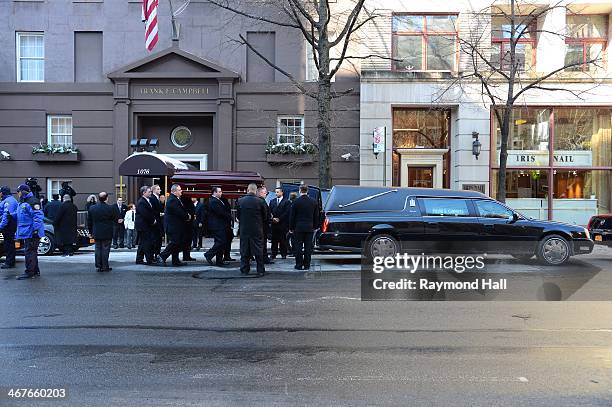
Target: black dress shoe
[[140, 262], [209, 261], [297, 267], [284, 257], [157, 263], [229, 259], [107, 270], [27, 276], [222, 264], [115, 247], [189, 259], [261, 274], [99, 270], [178, 263]]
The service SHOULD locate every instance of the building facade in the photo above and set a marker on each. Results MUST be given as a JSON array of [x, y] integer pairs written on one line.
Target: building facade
[[560, 143], [77, 78]]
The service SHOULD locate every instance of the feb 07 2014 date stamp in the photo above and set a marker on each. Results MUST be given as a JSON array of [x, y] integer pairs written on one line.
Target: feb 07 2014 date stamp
[[33, 393]]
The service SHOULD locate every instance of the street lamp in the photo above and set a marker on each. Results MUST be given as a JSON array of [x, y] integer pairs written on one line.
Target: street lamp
[[476, 145]]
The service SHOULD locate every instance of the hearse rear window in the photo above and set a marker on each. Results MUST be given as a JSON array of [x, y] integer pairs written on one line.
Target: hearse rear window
[[602, 223], [445, 207]]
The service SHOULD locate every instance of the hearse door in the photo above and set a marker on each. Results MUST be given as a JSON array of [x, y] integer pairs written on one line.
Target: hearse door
[[410, 227], [450, 225], [498, 228]]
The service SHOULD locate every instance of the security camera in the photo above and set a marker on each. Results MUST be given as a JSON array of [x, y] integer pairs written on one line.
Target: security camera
[[5, 155], [346, 156]]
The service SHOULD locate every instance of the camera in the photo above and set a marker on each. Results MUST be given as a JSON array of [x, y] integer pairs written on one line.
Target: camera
[[5, 155], [67, 190], [34, 187]]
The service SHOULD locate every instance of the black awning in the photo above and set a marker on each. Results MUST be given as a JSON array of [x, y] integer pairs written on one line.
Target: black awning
[[151, 165]]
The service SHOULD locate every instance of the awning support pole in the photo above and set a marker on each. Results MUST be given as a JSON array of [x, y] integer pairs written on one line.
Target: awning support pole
[[121, 186]]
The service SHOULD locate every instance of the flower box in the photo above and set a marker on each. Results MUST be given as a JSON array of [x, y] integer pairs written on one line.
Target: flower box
[[57, 157], [297, 159]]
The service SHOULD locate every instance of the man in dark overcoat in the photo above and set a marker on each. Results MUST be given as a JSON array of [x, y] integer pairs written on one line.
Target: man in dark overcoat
[[279, 207], [251, 212], [101, 221], [146, 225], [175, 217], [303, 222], [65, 226], [219, 220], [119, 234]]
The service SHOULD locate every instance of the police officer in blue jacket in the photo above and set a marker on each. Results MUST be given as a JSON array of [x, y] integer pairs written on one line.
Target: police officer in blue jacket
[[30, 228], [8, 225]]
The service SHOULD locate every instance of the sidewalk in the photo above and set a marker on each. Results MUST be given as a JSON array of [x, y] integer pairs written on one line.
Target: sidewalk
[[123, 259]]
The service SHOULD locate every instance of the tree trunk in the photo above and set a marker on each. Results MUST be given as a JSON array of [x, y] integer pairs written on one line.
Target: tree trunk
[[324, 131], [503, 154]]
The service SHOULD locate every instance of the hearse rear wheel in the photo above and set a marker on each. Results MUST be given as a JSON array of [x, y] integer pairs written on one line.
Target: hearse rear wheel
[[382, 245], [553, 250]]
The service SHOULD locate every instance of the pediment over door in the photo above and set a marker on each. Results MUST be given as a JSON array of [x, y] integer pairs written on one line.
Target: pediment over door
[[173, 63]]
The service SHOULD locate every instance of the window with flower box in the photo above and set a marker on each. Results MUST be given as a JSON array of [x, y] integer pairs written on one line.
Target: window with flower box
[[290, 129], [59, 130]]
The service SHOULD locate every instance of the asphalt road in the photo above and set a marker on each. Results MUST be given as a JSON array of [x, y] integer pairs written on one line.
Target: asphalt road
[[148, 336]]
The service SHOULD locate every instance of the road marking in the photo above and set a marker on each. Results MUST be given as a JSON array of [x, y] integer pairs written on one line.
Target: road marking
[[523, 379]]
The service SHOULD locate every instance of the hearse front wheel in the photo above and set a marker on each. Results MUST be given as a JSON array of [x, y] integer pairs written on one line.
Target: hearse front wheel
[[553, 250], [382, 245]]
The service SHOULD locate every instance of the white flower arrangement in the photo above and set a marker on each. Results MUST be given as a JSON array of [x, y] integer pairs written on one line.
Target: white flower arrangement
[[54, 149], [290, 148]]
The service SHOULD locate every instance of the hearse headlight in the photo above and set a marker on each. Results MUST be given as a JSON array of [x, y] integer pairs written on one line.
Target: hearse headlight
[[587, 233]]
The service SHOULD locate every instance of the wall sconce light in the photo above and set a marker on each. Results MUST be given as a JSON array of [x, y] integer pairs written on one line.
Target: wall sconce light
[[153, 142], [476, 145], [134, 143]]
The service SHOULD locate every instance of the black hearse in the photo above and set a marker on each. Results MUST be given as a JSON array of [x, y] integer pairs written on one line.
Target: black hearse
[[383, 221]]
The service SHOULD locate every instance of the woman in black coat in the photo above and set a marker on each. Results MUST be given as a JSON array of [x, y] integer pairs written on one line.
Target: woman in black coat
[[65, 227]]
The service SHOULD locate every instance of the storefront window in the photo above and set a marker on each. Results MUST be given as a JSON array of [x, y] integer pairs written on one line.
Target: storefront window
[[581, 166], [579, 194], [414, 128], [528, 138], [583, 137], [526, 191]]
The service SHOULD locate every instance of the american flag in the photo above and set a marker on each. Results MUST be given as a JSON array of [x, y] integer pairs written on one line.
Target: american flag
[[149, 16]]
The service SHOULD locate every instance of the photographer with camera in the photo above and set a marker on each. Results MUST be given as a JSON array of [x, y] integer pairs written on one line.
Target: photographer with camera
[[30, 228]]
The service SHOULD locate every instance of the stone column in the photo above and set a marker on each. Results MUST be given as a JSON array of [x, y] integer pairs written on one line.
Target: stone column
[[224, 135], [121, 123]]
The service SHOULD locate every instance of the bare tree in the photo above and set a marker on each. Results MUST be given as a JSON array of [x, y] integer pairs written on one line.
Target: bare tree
[[325, 29], [503, 77]]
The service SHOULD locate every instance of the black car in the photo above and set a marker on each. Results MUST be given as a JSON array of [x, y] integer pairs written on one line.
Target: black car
[[600, 227], [383, 221], [47, 245]]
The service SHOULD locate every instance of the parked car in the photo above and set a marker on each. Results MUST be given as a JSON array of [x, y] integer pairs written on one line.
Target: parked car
[[600, 227], [383, 221], [47, 245]]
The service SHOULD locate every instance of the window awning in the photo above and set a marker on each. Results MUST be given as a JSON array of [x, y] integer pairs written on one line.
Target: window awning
[[151, 165]]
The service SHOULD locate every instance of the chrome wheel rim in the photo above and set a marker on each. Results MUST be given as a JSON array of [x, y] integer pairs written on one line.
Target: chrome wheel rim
[[44, 245], [383, 247], [555, 250]]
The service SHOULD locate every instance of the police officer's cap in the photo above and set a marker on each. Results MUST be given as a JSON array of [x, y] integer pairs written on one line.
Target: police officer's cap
[[23, 187]]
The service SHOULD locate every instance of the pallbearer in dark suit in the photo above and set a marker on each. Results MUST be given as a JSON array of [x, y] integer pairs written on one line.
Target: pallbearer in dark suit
[[303, 222], [218, 221], [252, 213], [198, 225], [279, 207], [146, 225], [227, 254], [119, 233], [175, 216], [102, 219], [263, 193], [158, 207], [189, 205], [65, 226]]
